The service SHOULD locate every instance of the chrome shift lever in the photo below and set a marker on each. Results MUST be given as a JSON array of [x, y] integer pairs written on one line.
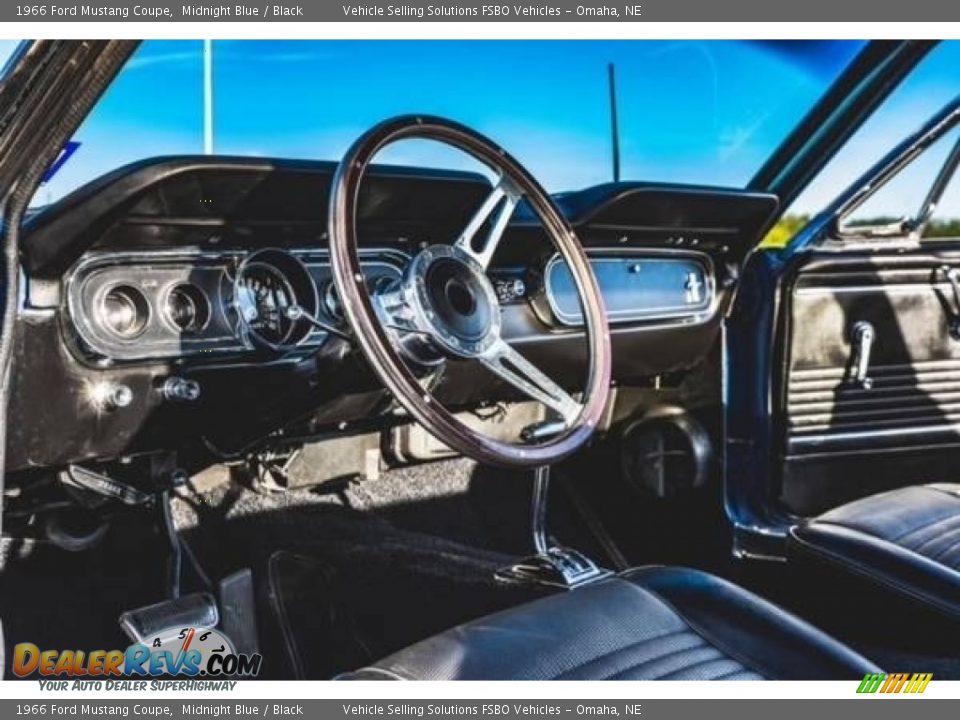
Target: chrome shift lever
[[551, 565], [538, 507]]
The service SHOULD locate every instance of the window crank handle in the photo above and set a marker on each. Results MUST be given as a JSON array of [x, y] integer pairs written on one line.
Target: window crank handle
[[953, 321], [863, 337]]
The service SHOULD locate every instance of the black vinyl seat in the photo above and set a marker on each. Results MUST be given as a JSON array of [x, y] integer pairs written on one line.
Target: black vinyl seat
[[905, 542], [654, 623]]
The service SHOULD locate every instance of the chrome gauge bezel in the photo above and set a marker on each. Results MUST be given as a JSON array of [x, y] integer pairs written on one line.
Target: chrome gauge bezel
[[141, 305], [204, 308], [153, 274], [299, 284], [156, 273], [550, 312]]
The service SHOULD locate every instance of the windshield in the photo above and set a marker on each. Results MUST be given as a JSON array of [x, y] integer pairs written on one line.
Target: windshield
[[6, 50], [707, 112]]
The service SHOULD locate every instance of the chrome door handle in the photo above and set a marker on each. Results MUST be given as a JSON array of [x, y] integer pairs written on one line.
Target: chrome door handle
[[863, 336]]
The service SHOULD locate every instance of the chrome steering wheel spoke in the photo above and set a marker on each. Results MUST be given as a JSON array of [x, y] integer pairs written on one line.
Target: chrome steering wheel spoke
[[498, 208], [506, 362]]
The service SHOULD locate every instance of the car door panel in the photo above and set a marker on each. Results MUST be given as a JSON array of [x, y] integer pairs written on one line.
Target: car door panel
[[845, 437]]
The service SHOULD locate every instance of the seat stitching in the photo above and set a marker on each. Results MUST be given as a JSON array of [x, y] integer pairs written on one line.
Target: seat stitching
[[950, 494], [928, 541], [852, 565], [848, 524], [932, 541], [673, 673], [630, 646], [735, 654], [739, 671], [718, 656], [932, 525], [373, 670], [944, 553]]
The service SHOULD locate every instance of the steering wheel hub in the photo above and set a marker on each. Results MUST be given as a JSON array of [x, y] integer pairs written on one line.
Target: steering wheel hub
[[452, 301]]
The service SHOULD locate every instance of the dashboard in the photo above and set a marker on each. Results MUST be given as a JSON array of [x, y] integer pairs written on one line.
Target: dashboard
[[175, 288], [128, 307]]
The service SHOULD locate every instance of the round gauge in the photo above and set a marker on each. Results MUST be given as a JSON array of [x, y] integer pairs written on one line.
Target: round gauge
[[376, 281], [263, 296], [124, 311], [268, 283], [187, 308]]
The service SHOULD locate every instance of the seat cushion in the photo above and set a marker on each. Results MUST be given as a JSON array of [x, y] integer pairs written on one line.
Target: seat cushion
[[906, 541], [653, 623]]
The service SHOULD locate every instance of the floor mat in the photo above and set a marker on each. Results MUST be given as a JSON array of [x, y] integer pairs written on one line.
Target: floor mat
[[314, 622], [352, 602], [341, 616], [360, 573], [345, 575], [59, 599]]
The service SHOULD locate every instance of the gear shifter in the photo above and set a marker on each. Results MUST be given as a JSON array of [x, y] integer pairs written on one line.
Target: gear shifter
[[551, 565]]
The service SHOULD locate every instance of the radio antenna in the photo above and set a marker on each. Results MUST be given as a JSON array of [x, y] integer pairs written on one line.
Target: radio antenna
[[208, 97], [614, 124]]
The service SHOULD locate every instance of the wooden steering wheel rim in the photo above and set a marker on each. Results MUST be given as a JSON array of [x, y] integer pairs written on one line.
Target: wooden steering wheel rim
[[373, 339]]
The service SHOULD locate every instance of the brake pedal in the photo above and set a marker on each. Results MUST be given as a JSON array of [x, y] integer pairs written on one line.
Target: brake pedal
[[198, 610]]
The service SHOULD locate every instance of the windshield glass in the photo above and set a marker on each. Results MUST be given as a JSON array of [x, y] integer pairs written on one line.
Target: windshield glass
[[6, 50], [706, 112], [925, 91]]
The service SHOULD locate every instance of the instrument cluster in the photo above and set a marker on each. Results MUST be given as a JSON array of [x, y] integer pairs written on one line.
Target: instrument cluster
[[171, 305], [127, 307]]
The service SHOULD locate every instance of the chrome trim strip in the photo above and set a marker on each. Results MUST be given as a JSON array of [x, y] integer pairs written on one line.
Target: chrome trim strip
[[93, 343], [880, 287], [826, 438], [654, 317]]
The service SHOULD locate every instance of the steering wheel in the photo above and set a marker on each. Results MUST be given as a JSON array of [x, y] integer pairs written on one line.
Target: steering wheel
[[446, 307]]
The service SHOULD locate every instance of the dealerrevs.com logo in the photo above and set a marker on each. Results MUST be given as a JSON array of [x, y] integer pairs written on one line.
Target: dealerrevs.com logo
[[894, 683], [191, 652]]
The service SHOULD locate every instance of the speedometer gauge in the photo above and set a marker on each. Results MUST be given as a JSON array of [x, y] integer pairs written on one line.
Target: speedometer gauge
[[263, 296], [267, 284]]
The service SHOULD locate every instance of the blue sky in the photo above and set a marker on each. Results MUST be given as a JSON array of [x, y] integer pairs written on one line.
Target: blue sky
[[690, 111], [931, 86], [6, 49]]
